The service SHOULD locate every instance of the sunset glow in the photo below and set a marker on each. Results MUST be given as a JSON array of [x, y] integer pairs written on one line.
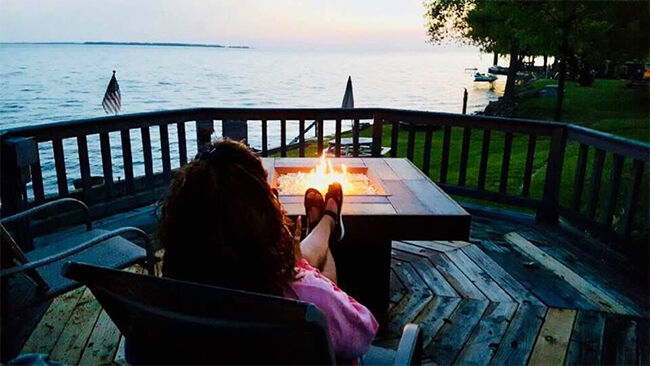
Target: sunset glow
[[379, 24]]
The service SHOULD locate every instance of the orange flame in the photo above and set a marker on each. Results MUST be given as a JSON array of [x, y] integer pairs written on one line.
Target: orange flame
[[321, 176], [324, 174]]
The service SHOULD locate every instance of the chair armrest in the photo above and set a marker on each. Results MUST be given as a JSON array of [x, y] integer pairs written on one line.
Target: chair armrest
[[409, 351], [83, 246], [50, 205]]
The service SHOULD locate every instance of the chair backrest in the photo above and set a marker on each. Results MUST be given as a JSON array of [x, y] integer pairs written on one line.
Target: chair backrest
[[10, 251], [167, 321]]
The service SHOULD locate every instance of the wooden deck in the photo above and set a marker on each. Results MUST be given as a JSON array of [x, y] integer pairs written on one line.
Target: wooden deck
[[518, 293]]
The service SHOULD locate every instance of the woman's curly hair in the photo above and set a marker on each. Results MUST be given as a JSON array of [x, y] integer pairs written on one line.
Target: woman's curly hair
[[222, 225]]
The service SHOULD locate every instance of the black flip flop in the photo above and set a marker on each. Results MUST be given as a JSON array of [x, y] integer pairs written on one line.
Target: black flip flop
[[335, 192], [313, 202]]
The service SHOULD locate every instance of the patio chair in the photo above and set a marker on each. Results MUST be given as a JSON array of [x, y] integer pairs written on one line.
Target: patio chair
[[166, 321], [42, 265]]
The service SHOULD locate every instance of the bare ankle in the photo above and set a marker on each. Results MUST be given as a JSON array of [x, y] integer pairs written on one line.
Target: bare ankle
[[331, 223]]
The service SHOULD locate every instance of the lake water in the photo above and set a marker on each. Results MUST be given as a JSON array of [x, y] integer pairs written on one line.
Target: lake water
[[50, 83]]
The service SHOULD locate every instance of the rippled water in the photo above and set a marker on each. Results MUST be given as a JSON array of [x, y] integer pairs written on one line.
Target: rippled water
[[50, 83]]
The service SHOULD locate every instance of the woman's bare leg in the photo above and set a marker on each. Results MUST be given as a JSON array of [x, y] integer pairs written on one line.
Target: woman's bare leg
[[315, 247], [329, 267]]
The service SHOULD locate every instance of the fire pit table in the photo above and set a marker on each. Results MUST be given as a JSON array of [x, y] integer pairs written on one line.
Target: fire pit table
[[397, 202]]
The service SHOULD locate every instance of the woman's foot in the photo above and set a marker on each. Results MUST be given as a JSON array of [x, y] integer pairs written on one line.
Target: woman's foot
[[314, 207], [333, 208]]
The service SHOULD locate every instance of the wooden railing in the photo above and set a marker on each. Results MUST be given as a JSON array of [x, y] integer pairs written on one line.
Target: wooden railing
[[623, 196], [423, 122], [506, 161]]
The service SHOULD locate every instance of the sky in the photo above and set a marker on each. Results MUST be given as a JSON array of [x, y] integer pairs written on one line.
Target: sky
[[306, 24]]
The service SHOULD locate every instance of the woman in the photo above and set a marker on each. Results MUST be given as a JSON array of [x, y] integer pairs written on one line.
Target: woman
[[223, 225]]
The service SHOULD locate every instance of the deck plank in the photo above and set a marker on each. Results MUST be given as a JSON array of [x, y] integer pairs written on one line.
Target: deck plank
[[553, 340], [409, 247], [434, 279], [74, 337], [409, 277], [620, 342], [455, 277], [586, 344], [103, 342], [516, 290], [397, 289], [449, 341], [407, 310], [440, 246], [591, 291], [414, 302], [518, 341], [48, 330], [480, 278], [120, 356], [484, 341], [622, 283], [457, 244], [545, 285], [433, 316], [431, 276]]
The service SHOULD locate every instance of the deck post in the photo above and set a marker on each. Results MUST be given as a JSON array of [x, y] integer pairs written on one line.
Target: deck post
[[465, 101], [204, 130], [235, 129], [548, 211], [377, 128], [18, 154]]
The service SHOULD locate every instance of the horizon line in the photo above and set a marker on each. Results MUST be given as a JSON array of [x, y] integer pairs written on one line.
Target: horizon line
[[118, 43]]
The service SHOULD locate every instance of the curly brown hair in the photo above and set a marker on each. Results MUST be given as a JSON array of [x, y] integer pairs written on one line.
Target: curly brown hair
[[222, 225]]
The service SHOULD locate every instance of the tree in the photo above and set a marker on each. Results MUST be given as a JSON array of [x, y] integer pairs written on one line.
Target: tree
[[587, 32], [591, 32], [493, 26]]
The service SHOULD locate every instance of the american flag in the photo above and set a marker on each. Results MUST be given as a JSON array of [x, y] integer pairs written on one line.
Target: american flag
[[112, 99]]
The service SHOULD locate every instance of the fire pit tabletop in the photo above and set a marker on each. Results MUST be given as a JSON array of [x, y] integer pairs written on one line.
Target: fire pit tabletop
[[408, 206]]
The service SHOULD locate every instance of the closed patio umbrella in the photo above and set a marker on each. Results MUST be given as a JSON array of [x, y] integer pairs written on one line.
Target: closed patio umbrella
[[348, 97]]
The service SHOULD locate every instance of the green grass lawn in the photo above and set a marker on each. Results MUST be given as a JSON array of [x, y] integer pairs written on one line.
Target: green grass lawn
[[607, 106]]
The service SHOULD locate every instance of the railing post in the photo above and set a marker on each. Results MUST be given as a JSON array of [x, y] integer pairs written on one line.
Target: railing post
[[377, 128], [204, 130], [465, 101], [235, 129], [548, 212], [17, 155]]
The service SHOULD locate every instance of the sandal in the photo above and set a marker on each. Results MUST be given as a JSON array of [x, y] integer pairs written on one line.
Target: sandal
[[335, 192], [311, 202]]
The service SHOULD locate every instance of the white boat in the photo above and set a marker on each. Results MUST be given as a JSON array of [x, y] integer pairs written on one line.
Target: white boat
[[479, 77]]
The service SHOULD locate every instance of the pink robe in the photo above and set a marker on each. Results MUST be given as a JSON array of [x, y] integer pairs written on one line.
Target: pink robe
[[352, 326]]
